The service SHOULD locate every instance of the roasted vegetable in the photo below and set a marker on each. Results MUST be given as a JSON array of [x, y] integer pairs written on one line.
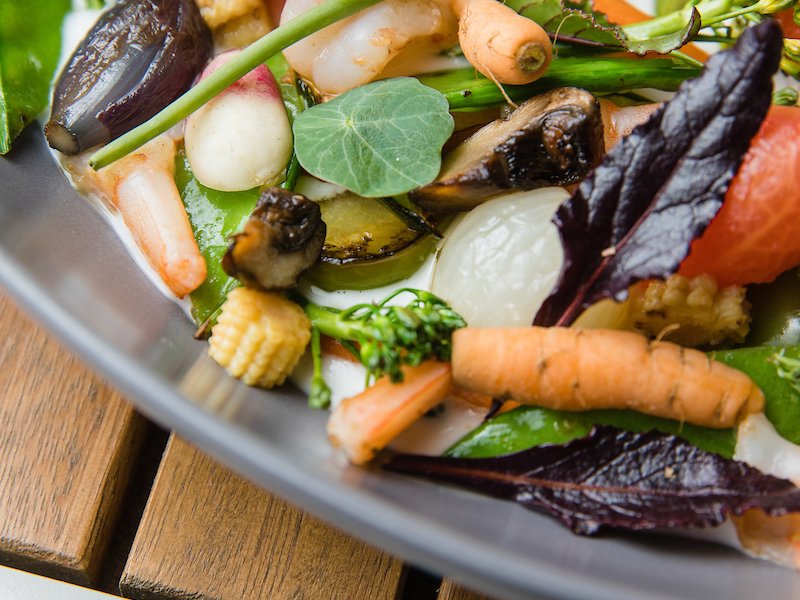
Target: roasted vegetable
[[140, 56], [259, 337], [551, 139], [689, 311], [635, 216], [282, 238], [370, 242]]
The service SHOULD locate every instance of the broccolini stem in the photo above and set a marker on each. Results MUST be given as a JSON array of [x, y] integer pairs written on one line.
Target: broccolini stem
[[320, 395], [385, 337], [466, 90]]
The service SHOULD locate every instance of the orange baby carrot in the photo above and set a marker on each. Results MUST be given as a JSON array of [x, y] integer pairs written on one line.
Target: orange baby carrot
[[574, 369], [364, 424], [503, 45]]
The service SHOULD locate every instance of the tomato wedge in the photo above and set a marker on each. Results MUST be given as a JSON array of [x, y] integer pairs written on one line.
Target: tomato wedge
[[756, 235]]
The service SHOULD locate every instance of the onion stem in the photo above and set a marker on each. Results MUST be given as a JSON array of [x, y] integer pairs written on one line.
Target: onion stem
[[257, 53]]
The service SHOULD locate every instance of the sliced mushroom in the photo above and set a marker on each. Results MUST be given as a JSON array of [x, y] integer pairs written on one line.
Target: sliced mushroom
[[552, 139], [282, 238]]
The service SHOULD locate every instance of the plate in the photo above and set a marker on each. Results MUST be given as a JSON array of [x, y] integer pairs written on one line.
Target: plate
[[65, 265]]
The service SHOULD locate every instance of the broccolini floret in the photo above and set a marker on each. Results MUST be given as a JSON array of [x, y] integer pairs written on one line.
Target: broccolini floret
[[384, 336]]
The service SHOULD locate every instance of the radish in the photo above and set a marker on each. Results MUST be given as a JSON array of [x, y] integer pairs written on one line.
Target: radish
[[242, 138]]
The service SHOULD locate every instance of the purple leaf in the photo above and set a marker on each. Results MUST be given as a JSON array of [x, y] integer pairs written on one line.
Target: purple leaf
[[636, 215], [617, 479]]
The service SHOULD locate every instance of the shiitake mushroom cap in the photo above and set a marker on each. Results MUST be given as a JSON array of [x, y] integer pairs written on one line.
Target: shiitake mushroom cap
[[282, 238], [554, 138]]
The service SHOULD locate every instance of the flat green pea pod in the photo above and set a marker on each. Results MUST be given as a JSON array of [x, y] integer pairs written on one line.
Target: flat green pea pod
[[30, 43], [529, 426], [775, 369], [216, 215]]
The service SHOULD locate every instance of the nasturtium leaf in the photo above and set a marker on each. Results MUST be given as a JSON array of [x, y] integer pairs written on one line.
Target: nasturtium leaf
[[617, 479], [381, 139]]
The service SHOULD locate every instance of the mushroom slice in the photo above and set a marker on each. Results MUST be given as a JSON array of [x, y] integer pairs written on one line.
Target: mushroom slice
[[282, 238], [551, 139]]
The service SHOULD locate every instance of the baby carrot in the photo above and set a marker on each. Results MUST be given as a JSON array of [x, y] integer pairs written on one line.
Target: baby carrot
[[574, 369], [364, 424], [503, 45]]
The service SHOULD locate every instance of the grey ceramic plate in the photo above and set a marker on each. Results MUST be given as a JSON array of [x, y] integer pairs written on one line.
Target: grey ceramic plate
[[60, 259]]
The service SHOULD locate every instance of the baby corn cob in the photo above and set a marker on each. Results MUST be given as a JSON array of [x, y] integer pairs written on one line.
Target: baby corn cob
[[259, 337]]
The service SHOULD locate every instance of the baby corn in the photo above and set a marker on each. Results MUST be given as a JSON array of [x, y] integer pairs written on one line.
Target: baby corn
[[259, 337]]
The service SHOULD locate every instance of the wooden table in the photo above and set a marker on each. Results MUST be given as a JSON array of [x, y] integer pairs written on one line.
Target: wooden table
[[94, 494]]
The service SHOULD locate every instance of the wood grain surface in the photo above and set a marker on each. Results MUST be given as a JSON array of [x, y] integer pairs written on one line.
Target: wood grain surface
[[66, 446], [209, 534], [450, 590]]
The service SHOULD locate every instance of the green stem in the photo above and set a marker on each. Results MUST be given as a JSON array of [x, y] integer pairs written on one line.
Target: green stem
[[320, 396], [669, 23], [257, 53], [466, 90], [687, 59], [718, 39], [327, 321]]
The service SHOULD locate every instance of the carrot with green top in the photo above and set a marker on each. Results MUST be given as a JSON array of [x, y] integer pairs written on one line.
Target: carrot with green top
[[573, 369]]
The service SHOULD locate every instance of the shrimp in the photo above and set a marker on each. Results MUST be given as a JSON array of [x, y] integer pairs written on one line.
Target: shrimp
[[386, 40], [141, 187]]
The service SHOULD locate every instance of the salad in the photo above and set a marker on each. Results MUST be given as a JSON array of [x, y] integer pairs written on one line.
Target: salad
[[565, 221]]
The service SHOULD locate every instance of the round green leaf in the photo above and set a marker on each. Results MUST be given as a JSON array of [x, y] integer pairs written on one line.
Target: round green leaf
[[381, 139]]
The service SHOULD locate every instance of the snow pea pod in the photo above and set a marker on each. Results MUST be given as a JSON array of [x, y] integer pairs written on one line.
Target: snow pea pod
[[30, 43], [216, 215], [776, 370], [529, 426]]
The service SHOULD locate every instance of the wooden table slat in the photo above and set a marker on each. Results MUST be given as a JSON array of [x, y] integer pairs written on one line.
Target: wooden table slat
[[450, 590], [67, 441], [208, 533]]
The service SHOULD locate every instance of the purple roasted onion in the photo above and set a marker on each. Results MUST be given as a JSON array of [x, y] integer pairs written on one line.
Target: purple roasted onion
[[140, 56]]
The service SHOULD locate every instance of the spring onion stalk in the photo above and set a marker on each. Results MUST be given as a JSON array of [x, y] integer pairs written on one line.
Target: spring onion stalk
[[466, 90], [257, 53]]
